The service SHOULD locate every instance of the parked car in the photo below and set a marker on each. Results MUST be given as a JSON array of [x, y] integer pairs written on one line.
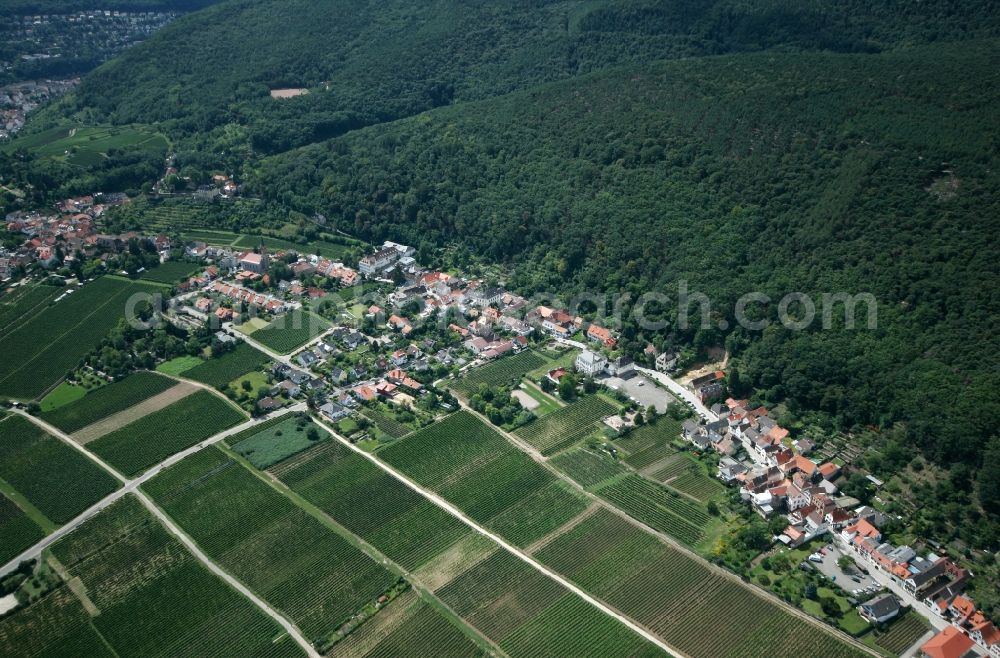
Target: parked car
[[815, 557]]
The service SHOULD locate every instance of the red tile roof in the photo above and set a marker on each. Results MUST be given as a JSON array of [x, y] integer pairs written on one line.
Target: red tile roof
[[949, 643]]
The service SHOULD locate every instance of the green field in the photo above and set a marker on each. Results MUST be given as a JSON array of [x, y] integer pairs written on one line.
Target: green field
[[502, 372], [172, 271], [371, 503], [17, 531], [108, 400], [305, 570], [223, 238], [52, 341], [563, 427], [87, 145], [274, 443], [151, 439], [219, 371], [287, 333], [467, 462], [57, 479], [179, 365], [62, 395], [149, 597], [679, 598], [24, 302]]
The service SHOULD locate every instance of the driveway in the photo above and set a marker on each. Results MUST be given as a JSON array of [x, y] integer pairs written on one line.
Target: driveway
[[831, 570]]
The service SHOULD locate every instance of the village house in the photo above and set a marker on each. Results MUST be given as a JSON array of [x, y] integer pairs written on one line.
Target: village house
[[880, 610], [599, 334], [590, 363]]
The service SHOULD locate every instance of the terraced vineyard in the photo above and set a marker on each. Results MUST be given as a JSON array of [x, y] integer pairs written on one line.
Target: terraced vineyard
[[371, 503], [107, 401], [151, 439], [17, 531], [327, 249], [507, 371], [146, 595], [679, 598], [52, 340], [287, 333], [233, 364], [565, 426], [55, 478], [302, 568]]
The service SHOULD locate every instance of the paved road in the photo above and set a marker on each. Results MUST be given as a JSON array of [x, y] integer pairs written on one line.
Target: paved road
[[459, 514], [286, 359]]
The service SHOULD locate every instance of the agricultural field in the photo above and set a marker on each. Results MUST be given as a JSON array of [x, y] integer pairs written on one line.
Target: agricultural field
[[107, 401], [565, 426], [219, 238], [372, 504], [539, 514], [425, 633], [311, 574], [287, 333], [587, 468], [164, 216], [23, 302], [218, 372], [275, 443], [141, 593], [470, 464], [901, 634], [529, 614], [657, 507], [171, 272], [17, 531], [682, 473], [52, 341], [179, 365], [507, 371], [151, 439], [650, 443], [386, 424], [84, 146], [55, 478]]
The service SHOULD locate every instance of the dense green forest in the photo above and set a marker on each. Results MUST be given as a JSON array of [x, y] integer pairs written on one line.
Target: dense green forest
[[22, 7], [208, 75], [771, 172]]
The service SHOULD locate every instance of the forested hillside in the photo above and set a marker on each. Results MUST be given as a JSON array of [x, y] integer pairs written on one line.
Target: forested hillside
[[771, 172], [367, 62]]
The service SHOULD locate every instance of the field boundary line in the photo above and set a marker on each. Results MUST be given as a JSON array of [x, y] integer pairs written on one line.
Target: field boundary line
[[538, 566]]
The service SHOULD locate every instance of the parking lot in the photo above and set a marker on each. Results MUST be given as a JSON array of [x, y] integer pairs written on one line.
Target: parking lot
[[642, 390], [850, 580]]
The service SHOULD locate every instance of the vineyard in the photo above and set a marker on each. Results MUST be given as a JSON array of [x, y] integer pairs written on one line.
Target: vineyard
[[155, 437], [57, 625], [17, 531], [390, 426], [326, 249], [219, 238], [287, 333], [587, 468], [538, 515], [107, 401], [565, 426], [507, 371], [53, 340], [171, 272], [219, 371], [23, 303], [657, 507], [426, 633], [681, 473], [305, 570], [57, 479], [371, 503], [679, 598], [153, 597], [902, 634], [650, 443]]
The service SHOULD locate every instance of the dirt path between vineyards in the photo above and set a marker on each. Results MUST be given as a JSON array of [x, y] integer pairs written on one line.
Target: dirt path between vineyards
[[123, 418]]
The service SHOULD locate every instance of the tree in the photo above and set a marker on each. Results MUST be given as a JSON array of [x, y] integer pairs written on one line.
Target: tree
[[810, 591], [546, 384], [312, 434], [567, 387], [989, 478]]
